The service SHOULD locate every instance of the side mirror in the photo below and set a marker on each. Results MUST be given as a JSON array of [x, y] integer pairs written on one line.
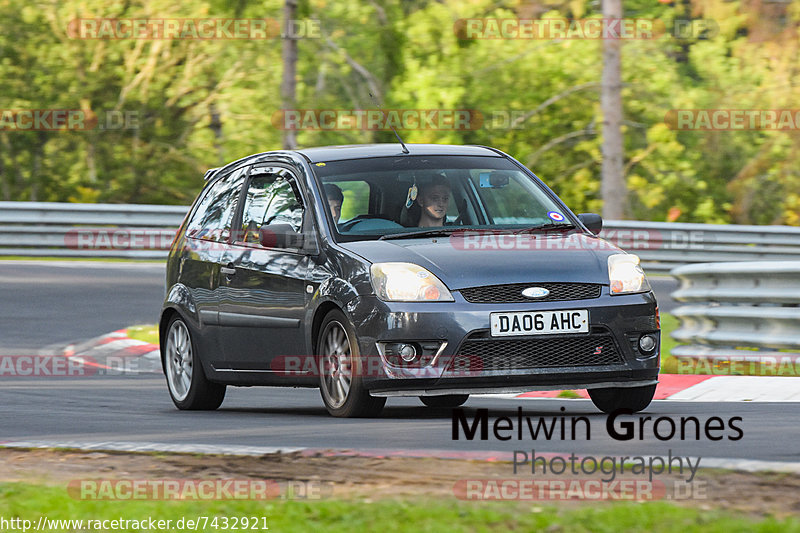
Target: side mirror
[[592, 221], [280, 236]]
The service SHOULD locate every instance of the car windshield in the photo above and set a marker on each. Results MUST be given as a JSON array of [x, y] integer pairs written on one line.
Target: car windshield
[[400, 197]]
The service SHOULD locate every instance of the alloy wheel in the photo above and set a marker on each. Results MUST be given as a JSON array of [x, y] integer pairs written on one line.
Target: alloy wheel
[[180, 360], [337, 365]]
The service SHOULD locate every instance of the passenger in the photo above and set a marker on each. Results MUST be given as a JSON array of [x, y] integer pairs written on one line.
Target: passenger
[[433, 198]]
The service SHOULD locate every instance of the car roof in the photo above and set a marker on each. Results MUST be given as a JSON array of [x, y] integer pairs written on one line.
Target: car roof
[[362, 151]]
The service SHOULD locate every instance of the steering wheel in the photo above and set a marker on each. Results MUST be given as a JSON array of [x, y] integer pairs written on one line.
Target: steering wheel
[[347, 226]]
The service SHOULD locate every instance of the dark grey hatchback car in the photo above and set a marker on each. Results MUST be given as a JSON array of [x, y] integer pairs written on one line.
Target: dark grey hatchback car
[[378, 270]]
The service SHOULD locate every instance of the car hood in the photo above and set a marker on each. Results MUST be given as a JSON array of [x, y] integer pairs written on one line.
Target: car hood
[[472, 259]]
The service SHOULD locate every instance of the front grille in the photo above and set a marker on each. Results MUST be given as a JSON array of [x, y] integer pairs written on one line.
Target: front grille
[[492, 294], [510, 354]]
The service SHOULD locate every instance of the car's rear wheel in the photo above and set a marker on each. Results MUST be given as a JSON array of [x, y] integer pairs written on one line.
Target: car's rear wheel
[[450, 400], [634, 398], [341, 370], [186, 380]]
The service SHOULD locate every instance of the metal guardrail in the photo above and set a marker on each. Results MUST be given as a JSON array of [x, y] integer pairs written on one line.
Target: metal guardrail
[[663, 246], [53, 229], [64, 230], [64, 214], [747, 311]]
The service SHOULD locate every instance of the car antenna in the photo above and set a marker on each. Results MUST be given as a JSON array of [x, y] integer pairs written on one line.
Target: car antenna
[[405, 150]]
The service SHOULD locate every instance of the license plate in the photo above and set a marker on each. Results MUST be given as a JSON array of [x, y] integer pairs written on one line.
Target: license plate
[[539, 322]]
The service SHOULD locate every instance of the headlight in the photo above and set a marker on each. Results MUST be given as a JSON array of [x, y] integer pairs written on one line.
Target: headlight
[[407, 282], [625, 274]]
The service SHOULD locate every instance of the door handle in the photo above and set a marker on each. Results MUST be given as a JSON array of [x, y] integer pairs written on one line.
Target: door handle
[[229, 270]]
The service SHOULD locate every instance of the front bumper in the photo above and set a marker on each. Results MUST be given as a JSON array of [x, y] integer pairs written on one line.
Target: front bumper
[[473, 362]]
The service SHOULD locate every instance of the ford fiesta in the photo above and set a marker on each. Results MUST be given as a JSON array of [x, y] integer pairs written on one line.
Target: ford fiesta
[[384, 270]]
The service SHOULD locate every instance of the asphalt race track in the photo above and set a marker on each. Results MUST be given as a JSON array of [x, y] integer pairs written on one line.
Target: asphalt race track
[[139, 410], [56, 302], [47, 303]]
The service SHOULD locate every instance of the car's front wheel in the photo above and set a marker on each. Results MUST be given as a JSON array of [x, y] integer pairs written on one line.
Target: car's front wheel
[[341, 370], [634, 398], [450, 400], [186, 380]]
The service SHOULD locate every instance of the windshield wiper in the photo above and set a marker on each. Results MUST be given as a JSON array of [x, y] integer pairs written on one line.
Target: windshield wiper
[[423, 233], [550, 226]]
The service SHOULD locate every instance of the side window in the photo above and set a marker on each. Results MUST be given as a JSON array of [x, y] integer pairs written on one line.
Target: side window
[[356, 198], [256, 202], [271, 199], [214, 215]]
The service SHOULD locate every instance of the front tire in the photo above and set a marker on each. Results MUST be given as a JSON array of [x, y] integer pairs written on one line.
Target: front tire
[[450, 400], [340, 370], [634, 398], [186, 380]]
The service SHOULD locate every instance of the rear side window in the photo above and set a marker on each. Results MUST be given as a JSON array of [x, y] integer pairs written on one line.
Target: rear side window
[[214, 215]]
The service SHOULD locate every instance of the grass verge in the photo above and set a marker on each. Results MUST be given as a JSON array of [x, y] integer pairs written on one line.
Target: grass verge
[[30, 501], [146, 333]]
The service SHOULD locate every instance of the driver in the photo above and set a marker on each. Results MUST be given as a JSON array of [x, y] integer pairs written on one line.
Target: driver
[[335, 200], [433, 198]]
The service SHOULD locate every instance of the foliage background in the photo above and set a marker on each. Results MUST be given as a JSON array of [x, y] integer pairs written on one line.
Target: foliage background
[[202, 103]]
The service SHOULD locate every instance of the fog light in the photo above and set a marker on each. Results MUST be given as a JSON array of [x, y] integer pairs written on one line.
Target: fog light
[[408, 352], [647, 343]]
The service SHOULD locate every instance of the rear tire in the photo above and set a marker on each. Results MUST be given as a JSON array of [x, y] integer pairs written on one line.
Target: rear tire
[[186, 380], [340, 370], [634, 398], [450, 400]]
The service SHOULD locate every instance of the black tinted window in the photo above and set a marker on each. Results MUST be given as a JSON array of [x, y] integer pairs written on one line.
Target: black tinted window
[[214, 215]]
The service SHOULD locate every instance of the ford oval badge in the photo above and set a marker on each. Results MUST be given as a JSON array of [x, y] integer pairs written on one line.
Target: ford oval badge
[[535, 292]]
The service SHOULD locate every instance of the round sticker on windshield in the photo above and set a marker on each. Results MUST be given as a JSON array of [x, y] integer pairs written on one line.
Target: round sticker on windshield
[[555, 215]]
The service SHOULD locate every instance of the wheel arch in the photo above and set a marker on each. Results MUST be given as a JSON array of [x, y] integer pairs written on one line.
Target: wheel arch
[[179, 302], [319, 316], [166, 317]]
